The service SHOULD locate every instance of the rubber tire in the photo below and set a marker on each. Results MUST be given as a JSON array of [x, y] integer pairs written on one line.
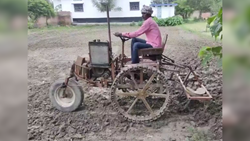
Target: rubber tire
[[79, 95]]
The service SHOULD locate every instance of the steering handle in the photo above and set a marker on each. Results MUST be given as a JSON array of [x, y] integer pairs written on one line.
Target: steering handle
[[124, 38]]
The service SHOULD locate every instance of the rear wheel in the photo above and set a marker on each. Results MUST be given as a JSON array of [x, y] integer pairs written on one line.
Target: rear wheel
[[147, 93], [66, 99]]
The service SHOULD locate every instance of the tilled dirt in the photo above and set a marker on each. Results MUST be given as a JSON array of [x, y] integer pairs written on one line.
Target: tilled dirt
[[51, 54]]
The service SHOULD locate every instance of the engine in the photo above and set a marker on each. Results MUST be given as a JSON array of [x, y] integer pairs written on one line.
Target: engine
[[98, 64], [100, 72]]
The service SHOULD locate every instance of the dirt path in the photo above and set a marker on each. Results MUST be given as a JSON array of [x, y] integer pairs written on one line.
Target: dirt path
[[51, 54]]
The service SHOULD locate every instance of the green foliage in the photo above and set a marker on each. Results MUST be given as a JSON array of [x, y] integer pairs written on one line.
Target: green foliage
[[196, 19], [102, 7], [58, 8], [140, 23], [201, 5], [30, 25], [132, 24], [208, 53], [155, 19], [40, 8], [173, 21], [183, 9], [216, 28], [215, 6], [160, 22]]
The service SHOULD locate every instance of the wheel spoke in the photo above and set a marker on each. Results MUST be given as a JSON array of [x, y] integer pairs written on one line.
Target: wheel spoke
[[147, 106], [123, 86], [127, 94], [149, 82], [132, 105], [159, 95], [133, 79]]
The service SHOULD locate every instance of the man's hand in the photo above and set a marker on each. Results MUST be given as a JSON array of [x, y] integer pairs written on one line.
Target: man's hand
[[118, 34]]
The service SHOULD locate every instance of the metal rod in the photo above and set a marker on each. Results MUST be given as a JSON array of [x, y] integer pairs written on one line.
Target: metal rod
[[112, 71], [108, 20], [122, 53]]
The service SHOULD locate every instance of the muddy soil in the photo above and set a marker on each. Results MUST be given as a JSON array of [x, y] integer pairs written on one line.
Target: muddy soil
[[50, 55]]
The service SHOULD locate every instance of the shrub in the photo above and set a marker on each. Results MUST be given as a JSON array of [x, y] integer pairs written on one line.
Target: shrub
[[30, 25], [132, 24], [160, 22], [140, 23], [196, 19], [173, 21], [155, 19]]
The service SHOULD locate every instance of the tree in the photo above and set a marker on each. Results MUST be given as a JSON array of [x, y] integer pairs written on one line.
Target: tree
[[201, 5], [40, 8], [58, 8], [215, 6], [183, 9], [102, 8]]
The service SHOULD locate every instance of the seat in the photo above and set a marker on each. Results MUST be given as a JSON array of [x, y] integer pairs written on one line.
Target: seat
[[153, 53]]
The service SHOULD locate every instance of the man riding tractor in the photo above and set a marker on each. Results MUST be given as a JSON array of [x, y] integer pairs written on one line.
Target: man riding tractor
[[152, 31]]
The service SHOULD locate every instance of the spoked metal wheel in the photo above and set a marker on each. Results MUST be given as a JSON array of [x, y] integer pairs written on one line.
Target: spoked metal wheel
[[147, 94], [66, 99]]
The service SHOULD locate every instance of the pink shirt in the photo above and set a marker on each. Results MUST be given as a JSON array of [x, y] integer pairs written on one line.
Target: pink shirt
[[152, 31]]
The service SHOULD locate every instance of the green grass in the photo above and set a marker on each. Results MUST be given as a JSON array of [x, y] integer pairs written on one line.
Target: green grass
[[197, 28]]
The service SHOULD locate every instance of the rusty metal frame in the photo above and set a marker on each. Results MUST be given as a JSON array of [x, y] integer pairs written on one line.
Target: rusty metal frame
[[201, 98], [121, 60]]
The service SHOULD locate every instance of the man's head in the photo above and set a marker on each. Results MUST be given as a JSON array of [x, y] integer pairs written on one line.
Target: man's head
[[146, 12]]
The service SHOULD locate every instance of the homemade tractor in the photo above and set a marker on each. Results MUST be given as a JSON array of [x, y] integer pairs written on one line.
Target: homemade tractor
[[139, 92]]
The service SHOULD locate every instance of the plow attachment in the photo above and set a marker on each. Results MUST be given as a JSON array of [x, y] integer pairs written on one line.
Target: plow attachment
[[190, 81]]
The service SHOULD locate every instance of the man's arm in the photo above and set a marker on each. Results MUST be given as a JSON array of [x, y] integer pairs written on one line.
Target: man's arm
[[139, 32]]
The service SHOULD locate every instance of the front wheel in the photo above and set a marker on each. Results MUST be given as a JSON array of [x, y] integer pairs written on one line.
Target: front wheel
[[66, 99]]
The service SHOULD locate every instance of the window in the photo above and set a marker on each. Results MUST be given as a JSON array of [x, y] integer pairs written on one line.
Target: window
[[78, 7], [134, 6]]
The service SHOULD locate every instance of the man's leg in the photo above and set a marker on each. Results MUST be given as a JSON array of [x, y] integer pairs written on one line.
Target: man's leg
[[135, 40], [136, 47]]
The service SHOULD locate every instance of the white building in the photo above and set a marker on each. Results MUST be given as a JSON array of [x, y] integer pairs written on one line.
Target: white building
[[83, 11], [163, 10]]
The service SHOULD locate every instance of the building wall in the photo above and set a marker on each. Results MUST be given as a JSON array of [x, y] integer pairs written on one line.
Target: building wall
[[155, 11], [91, 14], [168, 12], [165, 11], [62, 18]]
